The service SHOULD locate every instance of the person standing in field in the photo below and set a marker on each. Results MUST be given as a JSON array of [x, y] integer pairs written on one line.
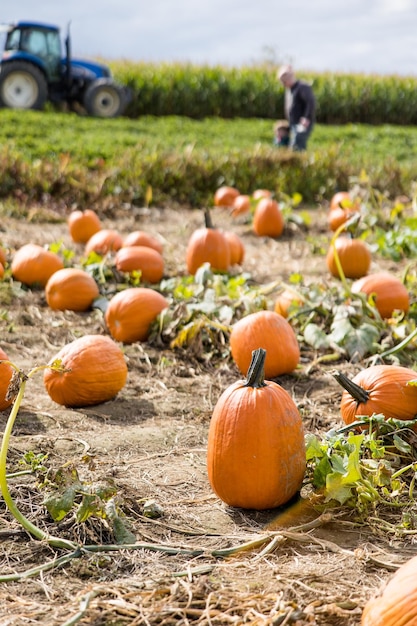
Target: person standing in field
[[300, 107]]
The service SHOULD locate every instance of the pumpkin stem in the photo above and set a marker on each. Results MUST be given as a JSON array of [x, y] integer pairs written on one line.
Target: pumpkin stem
[[207, 219], [255, 376], [357, 392]]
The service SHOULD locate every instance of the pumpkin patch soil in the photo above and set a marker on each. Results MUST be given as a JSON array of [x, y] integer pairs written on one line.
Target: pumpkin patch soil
[[150, 441]]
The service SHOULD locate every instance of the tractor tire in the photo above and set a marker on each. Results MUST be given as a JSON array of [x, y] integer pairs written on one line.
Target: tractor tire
[[22, 86], [103, 98]]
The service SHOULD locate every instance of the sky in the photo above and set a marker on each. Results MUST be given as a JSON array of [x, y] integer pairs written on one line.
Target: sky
[[365, 36]]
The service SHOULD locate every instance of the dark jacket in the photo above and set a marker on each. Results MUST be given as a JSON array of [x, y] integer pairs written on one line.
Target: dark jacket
[[301, 103]]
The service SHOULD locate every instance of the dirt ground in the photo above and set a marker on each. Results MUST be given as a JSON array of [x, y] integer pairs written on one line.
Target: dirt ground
[[151, 442]]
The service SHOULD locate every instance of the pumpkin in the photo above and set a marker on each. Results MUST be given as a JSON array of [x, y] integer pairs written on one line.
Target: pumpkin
[[255, 451], [130, 313], [378, 389], [33, 265], [341, 209], [141, 238], [388, 291], [225, 195], [3, 258], [82, 225], [273, 333], [207, 245], [1, 270], [396, 605], [6, 374], [241, 205], [71, 289], [95, 371], [261, 193], [237, 248], [141, 258], [286, 299], [268, 220], [354, 256], [103, 241]]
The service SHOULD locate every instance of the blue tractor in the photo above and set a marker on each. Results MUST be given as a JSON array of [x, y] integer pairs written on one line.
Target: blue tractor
[[34, 71]]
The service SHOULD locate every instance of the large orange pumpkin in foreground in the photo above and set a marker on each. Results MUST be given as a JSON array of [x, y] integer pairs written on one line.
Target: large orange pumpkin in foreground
[[378, 389], [96, 372], [82, 225], [268, 220], [6, 374], [256, 452], [207, 245], [141, 258], [34, 265], [397, 603], [268, 330], [130, 313], [389, 292], [71, 289]]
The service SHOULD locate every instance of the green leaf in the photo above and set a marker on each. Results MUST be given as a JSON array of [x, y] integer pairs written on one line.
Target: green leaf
[[336, 489], [316, 337], [60, 503]]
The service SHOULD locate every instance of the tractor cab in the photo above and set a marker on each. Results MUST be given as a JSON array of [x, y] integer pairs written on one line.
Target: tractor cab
[[36, 43]]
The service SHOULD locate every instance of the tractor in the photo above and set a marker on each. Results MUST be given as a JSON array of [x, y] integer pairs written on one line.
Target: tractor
[[34, 71]]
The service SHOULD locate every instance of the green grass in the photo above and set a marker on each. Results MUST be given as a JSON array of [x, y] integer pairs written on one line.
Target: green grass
[[48, 134]]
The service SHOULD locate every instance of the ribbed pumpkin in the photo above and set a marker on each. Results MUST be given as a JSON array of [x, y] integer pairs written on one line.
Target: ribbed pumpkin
[[237, 248], [130, 313], [142, 238], [389, 292], [285, 300], [97, 371], [270, 331], [268, 220], [207, 245], [397, 603], [354, 256], [256, 452], [103, 241], [241, 205], [82, 225], [378, 389], [140, 258], [71, 289], [225, 195], [6, 374], [33, 265]]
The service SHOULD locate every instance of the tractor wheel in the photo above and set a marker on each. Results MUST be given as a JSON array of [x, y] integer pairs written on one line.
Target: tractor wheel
[[22, 86], [103, 98]]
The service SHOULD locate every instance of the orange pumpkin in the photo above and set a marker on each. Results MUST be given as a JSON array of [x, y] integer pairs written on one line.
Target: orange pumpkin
[[103, 241], [341, 209], [71, 289], [82, 225], [268, 330], [130, 313], [207, 245], [256, 452], [340, 198], [268, 220], [1, 270], [33, 265], [141, 258], [241, 205], [3, 258], [396, 605], [285, 300], [354, 256], [6, 374], [96, 371], [389, 292], [261, 193], [225, 195], [237, 248], [378, 389], [141, 238]]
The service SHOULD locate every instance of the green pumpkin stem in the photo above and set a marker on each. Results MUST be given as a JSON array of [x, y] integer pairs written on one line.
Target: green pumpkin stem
[[357, 392], [255, 376], [207, 219]]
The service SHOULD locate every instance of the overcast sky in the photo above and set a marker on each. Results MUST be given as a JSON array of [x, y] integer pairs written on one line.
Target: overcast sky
[[368, 36]]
